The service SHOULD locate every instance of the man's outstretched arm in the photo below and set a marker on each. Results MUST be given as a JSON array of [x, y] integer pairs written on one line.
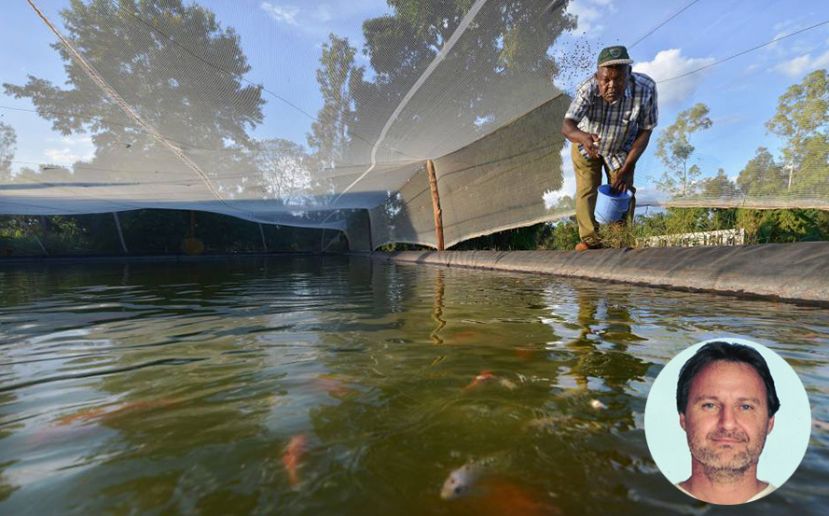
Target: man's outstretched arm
[[590, 142]]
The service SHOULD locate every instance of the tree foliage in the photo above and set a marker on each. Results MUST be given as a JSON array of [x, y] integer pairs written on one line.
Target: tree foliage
[[8, 143], [719, 186], [675, 149], [285, 173], [401, 46], [336, 77], [762, 175], [802, 118], [128, 43]]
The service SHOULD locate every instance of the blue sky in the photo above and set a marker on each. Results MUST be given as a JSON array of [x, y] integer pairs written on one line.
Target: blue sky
[[282, 41]]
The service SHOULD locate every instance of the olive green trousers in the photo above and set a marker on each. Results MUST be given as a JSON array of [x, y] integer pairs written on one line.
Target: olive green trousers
[[588, 180]]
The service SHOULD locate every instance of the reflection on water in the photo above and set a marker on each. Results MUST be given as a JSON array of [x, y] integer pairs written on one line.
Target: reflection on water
[[346, 386]]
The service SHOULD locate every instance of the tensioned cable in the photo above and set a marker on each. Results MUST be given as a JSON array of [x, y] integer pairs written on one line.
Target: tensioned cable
[[738, 54], [662, 24], [96, 77]]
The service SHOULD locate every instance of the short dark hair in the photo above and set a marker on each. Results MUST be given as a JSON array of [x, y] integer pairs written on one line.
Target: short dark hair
[[714, 351]]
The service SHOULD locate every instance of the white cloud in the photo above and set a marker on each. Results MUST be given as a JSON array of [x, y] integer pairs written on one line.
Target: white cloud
[[590, 13], [797, 66], [551, 197], [64, 156], [281, 13], [71, 150], [670, 63]]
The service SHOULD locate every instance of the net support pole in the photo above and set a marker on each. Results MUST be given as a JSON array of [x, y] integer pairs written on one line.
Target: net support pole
[[44, 231], [433, 185], [262, 234], [120, 232]]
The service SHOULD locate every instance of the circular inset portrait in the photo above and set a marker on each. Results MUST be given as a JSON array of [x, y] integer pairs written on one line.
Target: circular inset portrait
[[727, 421]]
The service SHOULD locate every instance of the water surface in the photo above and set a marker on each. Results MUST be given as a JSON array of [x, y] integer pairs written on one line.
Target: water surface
[[178, 387]]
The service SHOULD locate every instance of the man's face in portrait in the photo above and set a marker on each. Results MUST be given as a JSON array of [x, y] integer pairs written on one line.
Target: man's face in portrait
[[726, 419]]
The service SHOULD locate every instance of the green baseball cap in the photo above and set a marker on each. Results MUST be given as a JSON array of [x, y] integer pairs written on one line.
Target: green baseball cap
[[616, 55]]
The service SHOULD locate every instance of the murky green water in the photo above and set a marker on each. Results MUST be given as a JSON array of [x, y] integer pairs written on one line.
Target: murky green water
[[168, 388]]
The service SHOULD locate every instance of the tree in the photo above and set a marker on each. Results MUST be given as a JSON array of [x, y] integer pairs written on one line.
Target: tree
[[8, 142], [762, 175], [329, 135], [719, 186], [675, 149], [812, 176], [492, 61], [182, 85], [802, 118], [285, 173]]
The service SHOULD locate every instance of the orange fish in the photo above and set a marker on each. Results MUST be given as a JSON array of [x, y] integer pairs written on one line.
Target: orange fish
[[293, 455], [84, 415], [464, 336], [111, 411], [333, 386], [482, 378], [525, 353], [505, 498]]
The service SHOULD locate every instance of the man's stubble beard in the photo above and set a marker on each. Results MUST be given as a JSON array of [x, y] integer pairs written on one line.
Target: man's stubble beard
[[722, 470]]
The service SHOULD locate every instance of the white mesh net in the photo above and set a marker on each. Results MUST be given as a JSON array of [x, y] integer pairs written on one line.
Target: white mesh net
[[261, 111]]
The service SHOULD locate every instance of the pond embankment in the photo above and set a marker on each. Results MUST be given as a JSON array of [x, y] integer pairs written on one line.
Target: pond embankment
[[797, 272]]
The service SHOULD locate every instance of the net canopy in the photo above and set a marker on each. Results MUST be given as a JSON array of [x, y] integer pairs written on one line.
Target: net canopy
[[324, 114]]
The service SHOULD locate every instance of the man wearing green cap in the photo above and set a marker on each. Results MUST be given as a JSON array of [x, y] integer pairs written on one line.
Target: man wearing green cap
[[609, 121]]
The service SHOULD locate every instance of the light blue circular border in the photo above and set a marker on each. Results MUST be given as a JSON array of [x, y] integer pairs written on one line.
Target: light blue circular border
[[785, 445]]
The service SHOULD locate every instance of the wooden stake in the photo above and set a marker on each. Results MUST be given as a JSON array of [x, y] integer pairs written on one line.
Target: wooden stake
[[433, 185]]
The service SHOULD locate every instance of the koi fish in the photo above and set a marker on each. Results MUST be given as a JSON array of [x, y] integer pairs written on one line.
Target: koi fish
[[505, 498], [110, 411], [482, 378], [461, 481], [597, 405], [487, 495], [333, 385], [488, 377], [292, 456], [464, 336], [84, 415], [525, 353]]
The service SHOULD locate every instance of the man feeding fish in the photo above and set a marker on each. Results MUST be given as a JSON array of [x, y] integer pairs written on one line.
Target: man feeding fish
[[609, 122]]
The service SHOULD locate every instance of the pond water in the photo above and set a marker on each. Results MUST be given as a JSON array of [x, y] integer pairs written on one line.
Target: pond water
[[339, 385]]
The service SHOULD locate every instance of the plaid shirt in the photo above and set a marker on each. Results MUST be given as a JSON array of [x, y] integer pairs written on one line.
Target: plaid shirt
[[619, 123]]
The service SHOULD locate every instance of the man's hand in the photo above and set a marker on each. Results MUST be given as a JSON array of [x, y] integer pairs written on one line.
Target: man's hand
[[623, 180], [590, 142]]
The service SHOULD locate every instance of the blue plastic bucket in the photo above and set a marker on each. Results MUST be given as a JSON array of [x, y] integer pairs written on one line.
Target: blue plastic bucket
[[611, 206]]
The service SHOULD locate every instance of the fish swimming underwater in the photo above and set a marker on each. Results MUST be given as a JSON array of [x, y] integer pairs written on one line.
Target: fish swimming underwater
[[482, 378], [597, 405], [485, 494], [292, 456], [487, 377], [462, 481], [108, 412]]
